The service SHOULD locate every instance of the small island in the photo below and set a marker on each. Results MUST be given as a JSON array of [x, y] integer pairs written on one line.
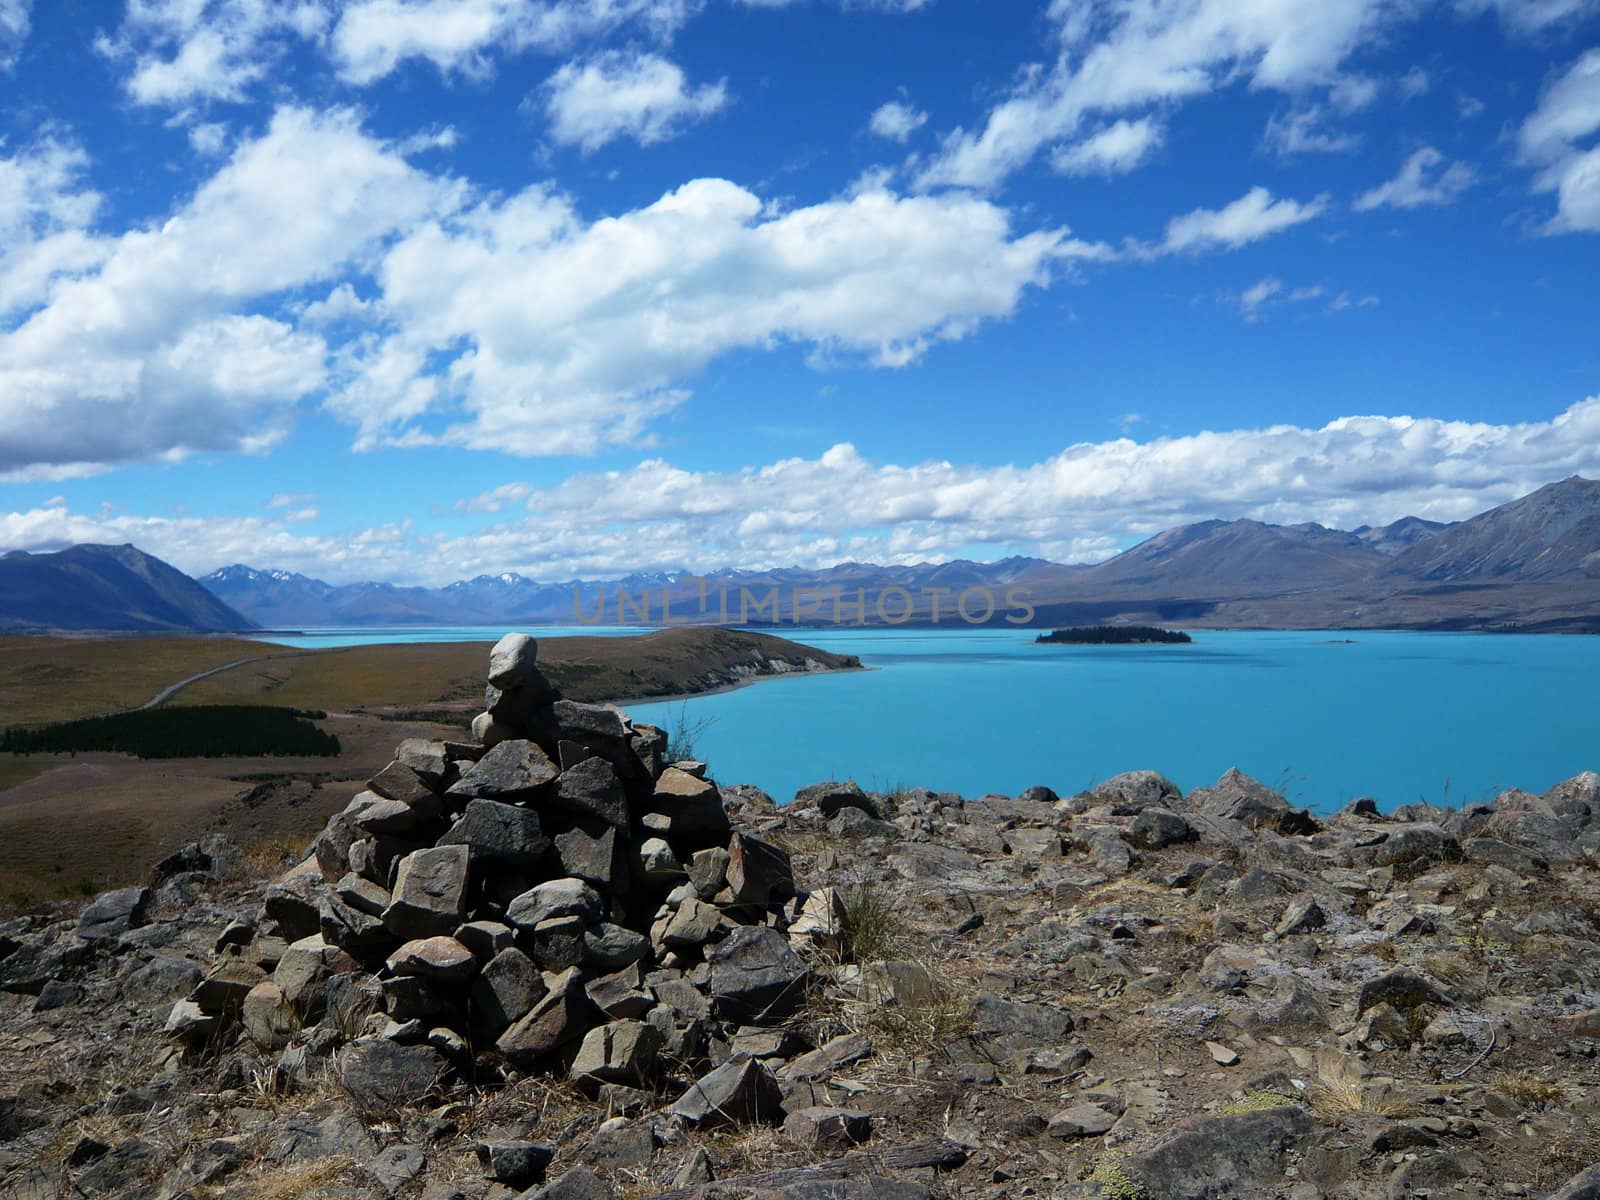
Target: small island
[[1116, 635]]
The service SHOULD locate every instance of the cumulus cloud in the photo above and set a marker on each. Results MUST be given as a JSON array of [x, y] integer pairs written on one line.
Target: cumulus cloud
[[182, 52], [46, 214], [374, 37], [1552, 139], [1081, 503], [625, 94], [1114, 150], [14, 26], [1253, 216], [554, 335], [1427, 179], [504, 322], [163, 349], [897, 120], [1116, 56]]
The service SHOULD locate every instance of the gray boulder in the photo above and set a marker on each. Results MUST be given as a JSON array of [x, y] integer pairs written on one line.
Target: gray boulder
[[1417, 845], [512, 659], [1585, 1185], [1134, 791], [758, 872], [111, 914], [621, 1052], [505, 991], [1155, 828], [499, 833], [756, 978], [996, 1015], [593, 851], [430, 893], [557, 898], [587, 723], [833, 797], [592, 788], [740, 1092], [1237, 797], [562, 1016], [515, 1164], [1223, 1157], [377, 1071], [1403, 989], [691, 805], [516, 771]]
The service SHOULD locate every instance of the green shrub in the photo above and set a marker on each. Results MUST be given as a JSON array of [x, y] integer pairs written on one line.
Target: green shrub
[[205, 731]]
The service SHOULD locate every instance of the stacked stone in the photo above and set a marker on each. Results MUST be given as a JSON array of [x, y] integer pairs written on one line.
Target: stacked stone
[[550, 895]]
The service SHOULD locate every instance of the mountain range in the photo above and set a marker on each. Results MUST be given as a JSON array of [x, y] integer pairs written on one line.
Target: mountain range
[[1531, 564], [109, 588]]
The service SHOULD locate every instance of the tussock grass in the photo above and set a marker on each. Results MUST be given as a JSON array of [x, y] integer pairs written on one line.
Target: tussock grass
[[265, 858], [1333, 1099], [1528, 1089], [874, 929], [304, 1182]]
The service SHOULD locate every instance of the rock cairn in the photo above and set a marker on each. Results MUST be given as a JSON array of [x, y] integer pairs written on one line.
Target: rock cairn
[[552, 895]]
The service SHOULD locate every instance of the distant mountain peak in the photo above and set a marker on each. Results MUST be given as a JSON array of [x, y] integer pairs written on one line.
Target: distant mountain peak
[[107, 587], [1552, 533]]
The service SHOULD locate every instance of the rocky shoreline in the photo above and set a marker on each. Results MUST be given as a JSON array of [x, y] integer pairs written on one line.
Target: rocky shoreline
[[546, 962]]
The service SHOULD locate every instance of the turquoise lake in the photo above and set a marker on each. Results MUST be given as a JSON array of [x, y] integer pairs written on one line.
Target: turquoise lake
[[1446, 717]]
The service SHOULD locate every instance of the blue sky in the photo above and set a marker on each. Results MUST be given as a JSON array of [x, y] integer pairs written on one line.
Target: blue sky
[[418, 289]]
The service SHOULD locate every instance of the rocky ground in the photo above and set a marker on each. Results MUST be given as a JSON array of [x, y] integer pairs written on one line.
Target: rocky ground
[[549, 963]]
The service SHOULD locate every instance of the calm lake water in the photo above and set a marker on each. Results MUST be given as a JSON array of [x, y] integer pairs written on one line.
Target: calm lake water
[[1446, 717]]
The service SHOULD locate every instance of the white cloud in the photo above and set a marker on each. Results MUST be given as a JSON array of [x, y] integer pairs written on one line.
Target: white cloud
[[1122, 55], [1415, 82], [625, 94], [1531, 16], [1082, 502], [46, 216], [1267, 293], [1426, 179], [1251, 217], [14, 26], [374, 37], [182, 52], [1092, 496], [208, 139], [489, 321], [1115, 150], [558, 335], [1552, 138], [166, 346], [897, 120], [1300, 131]]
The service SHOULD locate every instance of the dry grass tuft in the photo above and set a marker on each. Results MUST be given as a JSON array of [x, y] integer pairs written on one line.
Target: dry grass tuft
[[1332, 1099], [874, 929], [266, 858], [304, 1182], [1528, 1089]]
